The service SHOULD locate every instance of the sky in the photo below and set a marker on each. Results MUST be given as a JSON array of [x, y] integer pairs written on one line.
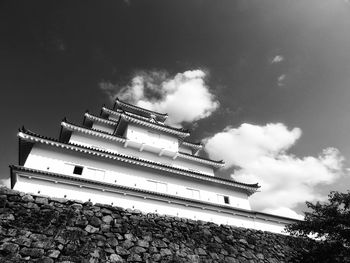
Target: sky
[[265, 85]]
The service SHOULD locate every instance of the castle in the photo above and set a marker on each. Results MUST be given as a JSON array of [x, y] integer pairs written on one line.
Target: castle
[[128, 157]]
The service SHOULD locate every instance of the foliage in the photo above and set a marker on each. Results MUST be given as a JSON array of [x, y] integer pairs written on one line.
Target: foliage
[[329, 224]]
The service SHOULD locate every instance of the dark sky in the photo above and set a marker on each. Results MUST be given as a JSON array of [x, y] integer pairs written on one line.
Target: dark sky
[[54, 54]]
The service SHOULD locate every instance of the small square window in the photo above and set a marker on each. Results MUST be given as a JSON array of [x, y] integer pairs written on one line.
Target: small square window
[[223, 199], [78, 170], [157, 186], [226, 200], [192, 193]]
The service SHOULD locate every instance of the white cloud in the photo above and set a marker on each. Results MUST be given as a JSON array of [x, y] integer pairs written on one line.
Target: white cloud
[[277, 59], [281, 80], [5, 182], [185, 97], [260, 153]]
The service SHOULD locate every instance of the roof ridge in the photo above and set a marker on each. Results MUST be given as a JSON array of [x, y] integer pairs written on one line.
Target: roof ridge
[[203, 158], [140, 108], [161, 125]]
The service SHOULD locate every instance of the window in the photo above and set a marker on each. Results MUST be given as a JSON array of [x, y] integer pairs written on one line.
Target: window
[[223, 199], [78, 170], [226, 200], [71, 168], [158, 186], [192, 193]]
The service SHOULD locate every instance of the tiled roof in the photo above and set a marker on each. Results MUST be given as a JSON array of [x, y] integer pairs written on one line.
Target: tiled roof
[[28, 135], [148, 123], [202, 159], [142, 118], [111, 111], [99, 119], [92, 131], [193, 145]]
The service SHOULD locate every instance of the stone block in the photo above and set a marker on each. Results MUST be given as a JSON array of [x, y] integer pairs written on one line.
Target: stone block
[[94, 221], [165, 252], [121, 251], [107, 219], [7, 217], [53, 253], [114, 258], [42, 200], [143, 243], [134, 258], [91, 229], [32, 252], [27, 198], [112, 241], [9, 248]]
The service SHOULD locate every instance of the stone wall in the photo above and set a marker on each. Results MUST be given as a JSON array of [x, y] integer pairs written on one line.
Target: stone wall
[[42, 229]]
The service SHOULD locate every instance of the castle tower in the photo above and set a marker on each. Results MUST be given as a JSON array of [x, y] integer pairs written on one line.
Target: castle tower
[[128, 157]]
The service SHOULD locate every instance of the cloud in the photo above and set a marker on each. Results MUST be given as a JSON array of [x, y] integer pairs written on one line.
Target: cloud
[[260, 155], [5, 182], [277, 59], [281, 80], [185, 97]]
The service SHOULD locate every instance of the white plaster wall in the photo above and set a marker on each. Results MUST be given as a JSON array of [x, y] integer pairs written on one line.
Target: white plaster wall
[[117, 147], [49, 158], [63, 190], [152, 137], [103, 127]]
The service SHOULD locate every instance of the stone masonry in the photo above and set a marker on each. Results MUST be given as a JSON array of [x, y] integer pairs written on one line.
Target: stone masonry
[[42, 229]]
